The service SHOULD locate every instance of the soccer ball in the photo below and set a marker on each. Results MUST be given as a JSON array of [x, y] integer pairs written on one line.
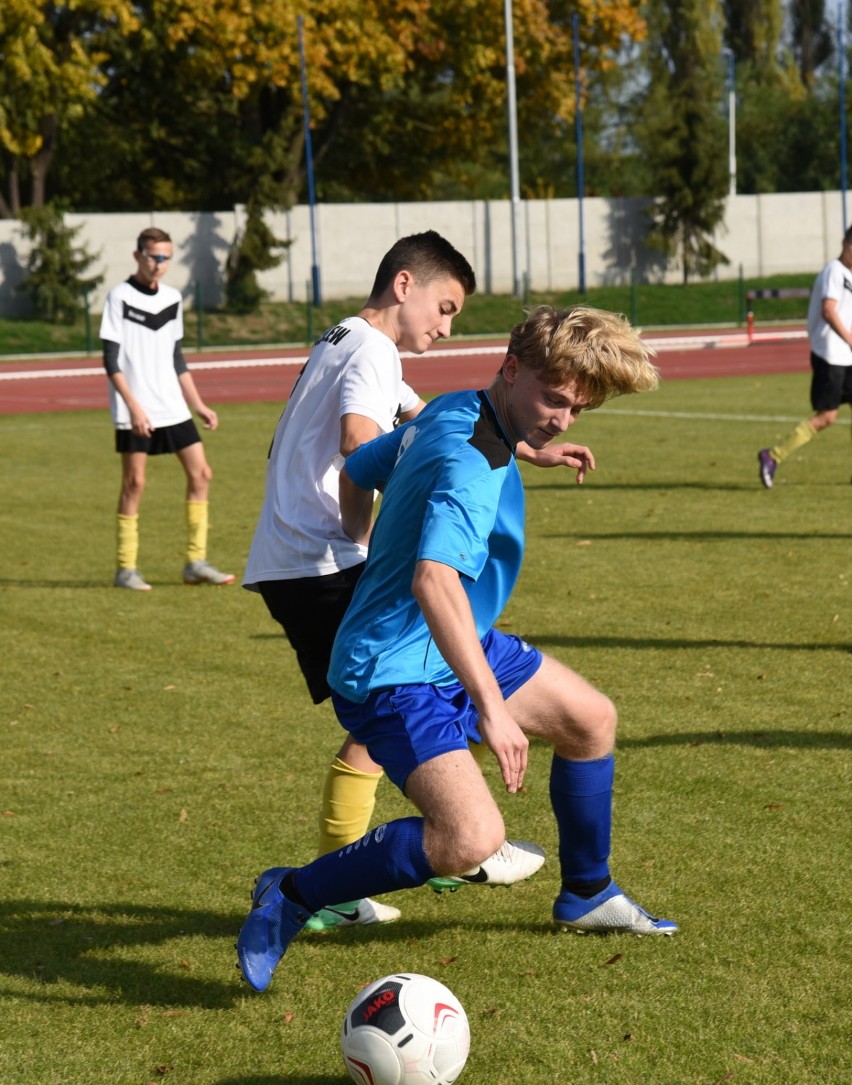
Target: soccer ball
[[405, 1030]]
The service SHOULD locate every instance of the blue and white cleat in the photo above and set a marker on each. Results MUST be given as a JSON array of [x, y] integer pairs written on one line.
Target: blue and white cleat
[[272, 924], [609, 912]]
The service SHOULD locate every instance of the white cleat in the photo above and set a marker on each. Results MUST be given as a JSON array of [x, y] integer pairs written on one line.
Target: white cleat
[[357, 913], [514, 861]]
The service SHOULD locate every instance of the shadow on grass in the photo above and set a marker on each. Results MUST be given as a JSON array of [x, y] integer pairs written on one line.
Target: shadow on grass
[[85, 945], [701, 536], [86, 585], [91, 947], [6, 582], [666, 643], [802, 740]]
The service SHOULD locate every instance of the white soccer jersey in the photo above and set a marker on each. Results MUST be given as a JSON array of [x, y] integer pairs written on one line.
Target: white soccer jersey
[[834, 281], [352, 369], [146, 324]]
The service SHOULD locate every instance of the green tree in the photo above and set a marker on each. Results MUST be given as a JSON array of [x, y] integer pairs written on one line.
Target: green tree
[[811, 37], [56, 268], [50, 72], [202, 103], [683, 134], [251, 252], [753, 29]]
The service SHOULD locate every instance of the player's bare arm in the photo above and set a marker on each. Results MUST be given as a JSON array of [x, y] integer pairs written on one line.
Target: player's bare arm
[[579, 457], [446, 609], [208, 416], [406, 416], [831, 316], [356, 509]]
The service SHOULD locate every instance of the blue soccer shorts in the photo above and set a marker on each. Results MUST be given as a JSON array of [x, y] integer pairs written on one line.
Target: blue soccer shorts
[[405, 726]]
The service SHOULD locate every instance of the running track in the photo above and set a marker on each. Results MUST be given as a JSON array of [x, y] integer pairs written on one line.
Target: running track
[[246, 376]]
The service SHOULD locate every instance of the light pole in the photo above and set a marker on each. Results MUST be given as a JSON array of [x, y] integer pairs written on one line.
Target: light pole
[[841, 71], [578, 93], [513, 150], [732, 122], [309, 165]]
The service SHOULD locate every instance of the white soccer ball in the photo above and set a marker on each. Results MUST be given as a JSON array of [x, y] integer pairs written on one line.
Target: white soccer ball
[[405, 1030]]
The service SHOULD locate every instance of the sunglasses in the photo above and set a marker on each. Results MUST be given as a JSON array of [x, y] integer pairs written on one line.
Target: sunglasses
[[157, 259]]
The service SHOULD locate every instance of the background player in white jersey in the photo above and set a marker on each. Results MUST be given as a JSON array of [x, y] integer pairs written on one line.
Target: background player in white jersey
[[830, 335], [151, 393], [301, 561]]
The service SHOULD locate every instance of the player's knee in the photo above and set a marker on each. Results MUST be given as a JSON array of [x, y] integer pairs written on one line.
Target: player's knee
[[456, 848], [591, 733], [133, 485]]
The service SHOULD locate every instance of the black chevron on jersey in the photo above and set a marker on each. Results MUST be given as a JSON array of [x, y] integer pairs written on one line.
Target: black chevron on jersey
[[154, 321], [488, 437]]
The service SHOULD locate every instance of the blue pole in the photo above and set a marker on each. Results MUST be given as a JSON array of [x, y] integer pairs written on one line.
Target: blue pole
[[309, 163], [581, 256], [841, 65]]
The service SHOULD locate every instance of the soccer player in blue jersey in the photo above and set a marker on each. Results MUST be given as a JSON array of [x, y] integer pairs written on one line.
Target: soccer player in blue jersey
[[418, 669]]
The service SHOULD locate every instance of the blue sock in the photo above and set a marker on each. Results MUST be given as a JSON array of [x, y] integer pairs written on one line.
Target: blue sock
[[389, 857], [581, 796]]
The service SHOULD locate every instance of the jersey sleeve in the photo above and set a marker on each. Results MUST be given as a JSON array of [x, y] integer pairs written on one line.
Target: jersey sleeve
[[370, 465], [371, 385], [833, 284], [111, 318], [408, 399]]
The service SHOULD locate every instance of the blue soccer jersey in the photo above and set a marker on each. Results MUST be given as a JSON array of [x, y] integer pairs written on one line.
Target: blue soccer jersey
[[453, 495]]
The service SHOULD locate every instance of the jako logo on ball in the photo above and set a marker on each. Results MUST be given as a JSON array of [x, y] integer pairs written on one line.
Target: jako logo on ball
[[405, 1030]]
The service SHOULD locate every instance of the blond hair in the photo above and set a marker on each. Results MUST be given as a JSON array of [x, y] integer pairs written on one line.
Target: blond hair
[[600, 351]]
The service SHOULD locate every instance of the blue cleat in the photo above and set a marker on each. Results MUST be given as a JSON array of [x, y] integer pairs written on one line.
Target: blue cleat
[[272, 924], [768, 467], [609, 912]]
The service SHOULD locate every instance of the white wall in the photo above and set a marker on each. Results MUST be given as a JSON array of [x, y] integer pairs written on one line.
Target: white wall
[[766, 235]]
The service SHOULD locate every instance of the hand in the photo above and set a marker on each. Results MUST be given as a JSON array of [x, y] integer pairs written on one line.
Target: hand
[[208, 416], [140, 423], [509, 745], [564, 455]]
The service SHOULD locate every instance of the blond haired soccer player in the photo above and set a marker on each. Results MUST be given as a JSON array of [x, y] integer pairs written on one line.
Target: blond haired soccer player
[[830, 336], [152, 396], [418, 670], [303, 563]]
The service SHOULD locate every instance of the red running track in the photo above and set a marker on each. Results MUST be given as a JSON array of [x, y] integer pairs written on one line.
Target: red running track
[[246, 376]]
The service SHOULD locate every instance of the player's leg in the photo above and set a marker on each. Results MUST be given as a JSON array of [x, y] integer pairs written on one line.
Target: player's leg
[[827, 393], [193, 460], [561, 707], [133, 474], [309, 610], [460, 825]]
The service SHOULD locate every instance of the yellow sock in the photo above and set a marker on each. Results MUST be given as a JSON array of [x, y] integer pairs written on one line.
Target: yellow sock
[[348, 799], [800, 436], [127, 541], [196, 530]]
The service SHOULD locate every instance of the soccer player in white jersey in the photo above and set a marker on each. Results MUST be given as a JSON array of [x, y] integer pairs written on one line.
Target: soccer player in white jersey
[[302, 561], [830, 335], [151, 393]]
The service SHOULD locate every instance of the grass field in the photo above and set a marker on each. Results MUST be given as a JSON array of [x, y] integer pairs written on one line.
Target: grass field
[[159, 750], [649, 305]]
